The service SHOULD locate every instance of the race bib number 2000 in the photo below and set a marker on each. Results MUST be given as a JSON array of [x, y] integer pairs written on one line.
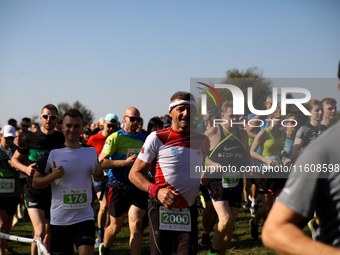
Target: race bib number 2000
[[174, 219], [74, 198]]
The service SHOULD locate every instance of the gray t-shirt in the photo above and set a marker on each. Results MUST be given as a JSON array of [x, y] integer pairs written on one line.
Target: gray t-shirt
[[309, 133], [306, 192]]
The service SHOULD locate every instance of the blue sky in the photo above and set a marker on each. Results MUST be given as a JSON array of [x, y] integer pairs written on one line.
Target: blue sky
[[110, 55]]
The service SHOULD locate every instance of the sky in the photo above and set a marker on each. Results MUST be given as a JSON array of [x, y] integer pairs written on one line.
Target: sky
[[110, 55]]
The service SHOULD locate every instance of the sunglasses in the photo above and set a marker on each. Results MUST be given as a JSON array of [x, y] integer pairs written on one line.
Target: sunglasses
[[25, 126], [10, 138], [111, 125], [134, 118], [46, 116]]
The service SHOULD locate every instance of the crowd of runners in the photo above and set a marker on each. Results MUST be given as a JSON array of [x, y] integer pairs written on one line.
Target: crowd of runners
[[55, 172]]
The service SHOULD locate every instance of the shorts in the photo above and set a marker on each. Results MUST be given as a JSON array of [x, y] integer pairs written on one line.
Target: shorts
[[121, 196], [64, 237], [9, 204], [205, 193], [163, 241], [232, 195], [39, 200], [269, 185]]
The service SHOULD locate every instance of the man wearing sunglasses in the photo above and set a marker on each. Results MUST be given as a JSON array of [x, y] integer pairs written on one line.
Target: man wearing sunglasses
[[34, 145], [98, 141], [25, 125], [119, 153]]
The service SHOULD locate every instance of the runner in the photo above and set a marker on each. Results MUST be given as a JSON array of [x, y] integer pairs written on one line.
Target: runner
[[35, 145], [122, 147], [68, 168], [173, 192], [329, 111], [98, 141], [228, 147], [308, 133], [272, 141], [9, 183], [318, 191]]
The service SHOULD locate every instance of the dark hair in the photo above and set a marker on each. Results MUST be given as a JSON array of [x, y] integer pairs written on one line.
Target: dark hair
[[12, 122], [74, 113], [26, 119], [50, 107], [153, 122], [182, 95]]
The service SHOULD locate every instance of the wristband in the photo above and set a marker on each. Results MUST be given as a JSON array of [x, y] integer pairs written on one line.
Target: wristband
[[153, 190]]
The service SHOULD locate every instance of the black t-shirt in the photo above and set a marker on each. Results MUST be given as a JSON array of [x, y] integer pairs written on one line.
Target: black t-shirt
[[36, 144]]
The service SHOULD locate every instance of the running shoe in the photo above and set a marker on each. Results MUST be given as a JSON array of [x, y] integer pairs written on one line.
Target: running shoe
[[313, 226], [20, 212], [14, 221], [8, 248], [205, 241], [247, 205], [253, 229], [212, 253], [99, 240]]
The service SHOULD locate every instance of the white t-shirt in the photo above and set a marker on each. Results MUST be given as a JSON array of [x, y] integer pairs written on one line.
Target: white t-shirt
[[72, 193]]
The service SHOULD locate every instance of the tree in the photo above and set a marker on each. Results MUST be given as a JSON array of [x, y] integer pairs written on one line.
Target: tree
[[87, 114]]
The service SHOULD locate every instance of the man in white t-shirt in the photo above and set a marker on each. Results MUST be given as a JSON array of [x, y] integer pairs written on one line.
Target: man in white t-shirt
[[69, 168]]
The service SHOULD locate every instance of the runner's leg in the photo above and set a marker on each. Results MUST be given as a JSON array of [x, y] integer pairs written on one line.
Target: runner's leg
[[136, 234]]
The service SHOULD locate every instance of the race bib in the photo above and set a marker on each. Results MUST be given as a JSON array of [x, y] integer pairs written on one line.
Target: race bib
[[131, 152], [230, 180], [174, 219], [74, 198], [7, 185]]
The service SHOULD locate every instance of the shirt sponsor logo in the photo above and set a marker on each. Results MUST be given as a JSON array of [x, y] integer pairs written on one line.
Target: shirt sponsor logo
[[174, 152], [142, 150]]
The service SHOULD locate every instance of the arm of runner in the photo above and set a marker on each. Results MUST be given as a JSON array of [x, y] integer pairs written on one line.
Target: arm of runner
[[108, 164], [98, 173], [281, 234], [41, 181], [298, 142], [260, 139], [166, 196], [216, 189], [16, 163]]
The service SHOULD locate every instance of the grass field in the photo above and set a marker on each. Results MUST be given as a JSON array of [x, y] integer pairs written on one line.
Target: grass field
[[241, 243]]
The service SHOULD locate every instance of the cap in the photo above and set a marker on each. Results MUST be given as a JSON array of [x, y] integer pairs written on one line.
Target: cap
[[87, 130], [166, 123], [8, 131], [111, 117], [251, 116]]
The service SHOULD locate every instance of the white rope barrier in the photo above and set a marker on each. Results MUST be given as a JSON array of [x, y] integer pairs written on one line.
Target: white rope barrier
[[41, 248]]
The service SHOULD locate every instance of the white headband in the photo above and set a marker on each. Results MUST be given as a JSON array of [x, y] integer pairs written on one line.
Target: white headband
[[174, 104]]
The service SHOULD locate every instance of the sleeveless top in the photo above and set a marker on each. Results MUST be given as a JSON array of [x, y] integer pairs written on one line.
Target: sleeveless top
[[273, 146]]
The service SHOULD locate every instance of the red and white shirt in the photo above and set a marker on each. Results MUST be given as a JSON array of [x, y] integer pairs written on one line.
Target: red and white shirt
[[174, 156]]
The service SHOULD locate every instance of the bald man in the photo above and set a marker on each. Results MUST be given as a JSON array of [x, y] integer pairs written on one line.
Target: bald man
[[119, 153]]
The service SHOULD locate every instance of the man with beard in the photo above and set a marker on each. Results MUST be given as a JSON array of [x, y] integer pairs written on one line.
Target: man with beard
[[119, 153], [38, 202]]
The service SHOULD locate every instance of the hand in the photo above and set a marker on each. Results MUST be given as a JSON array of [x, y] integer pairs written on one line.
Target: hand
[[130, 160], [58, 172], [270, 162], [216, 190], [30, 170], [168, 197], [97, 169]]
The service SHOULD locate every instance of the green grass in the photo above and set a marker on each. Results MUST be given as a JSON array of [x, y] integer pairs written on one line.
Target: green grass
[[241, 243]]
